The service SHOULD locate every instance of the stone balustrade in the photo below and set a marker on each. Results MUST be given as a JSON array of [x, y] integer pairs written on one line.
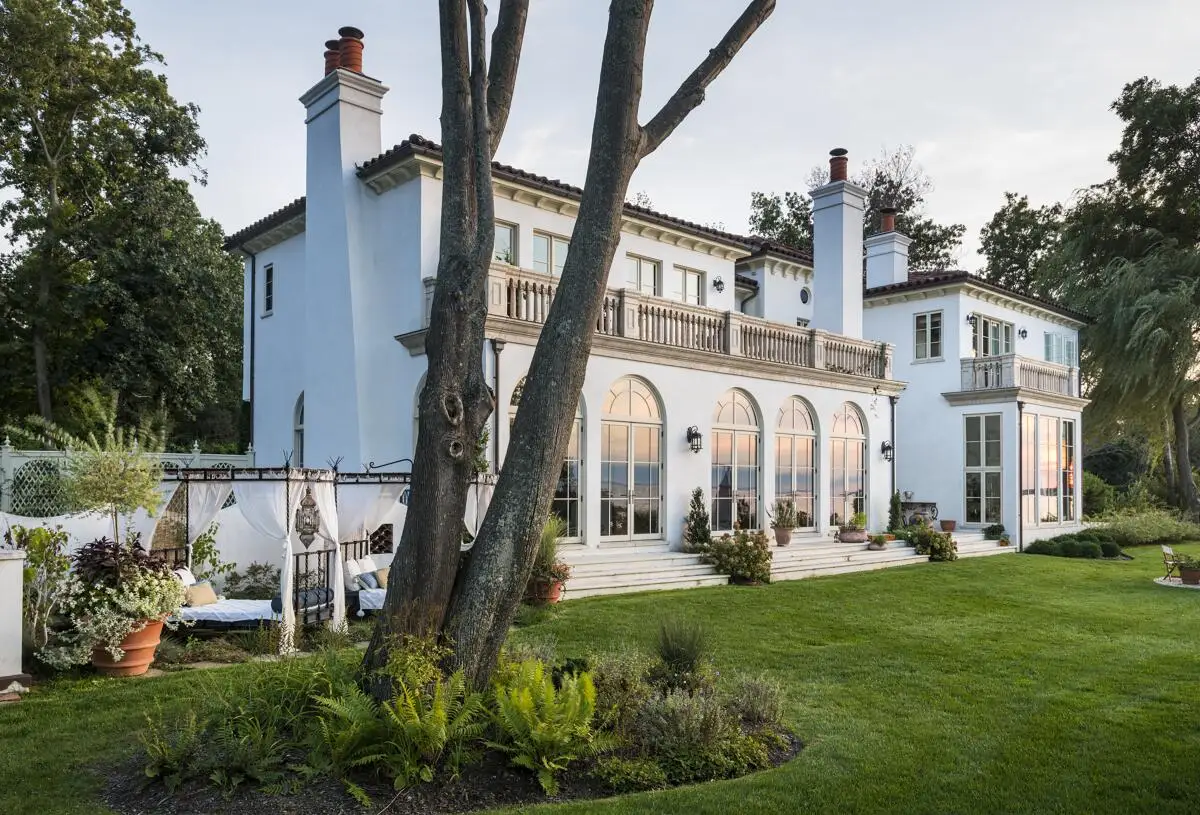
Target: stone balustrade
[[1013, 371]]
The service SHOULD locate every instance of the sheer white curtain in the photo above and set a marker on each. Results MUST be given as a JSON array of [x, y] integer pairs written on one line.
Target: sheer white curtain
[[362, 507], [205, 499], [479, 498], [324, 494], [268, 507]]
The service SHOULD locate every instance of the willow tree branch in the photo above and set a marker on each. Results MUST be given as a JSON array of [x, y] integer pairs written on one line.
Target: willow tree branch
[[507, 40], [691, 92]]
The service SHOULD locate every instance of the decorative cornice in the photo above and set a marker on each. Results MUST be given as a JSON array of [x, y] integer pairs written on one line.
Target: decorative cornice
[[992, 395]]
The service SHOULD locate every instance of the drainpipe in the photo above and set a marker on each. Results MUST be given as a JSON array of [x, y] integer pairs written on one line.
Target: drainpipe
[[893, 400], [1020, 476], [253, 324], [497, 347]]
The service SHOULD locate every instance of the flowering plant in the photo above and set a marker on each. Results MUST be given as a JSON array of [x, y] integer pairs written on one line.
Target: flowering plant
[[114, 590]]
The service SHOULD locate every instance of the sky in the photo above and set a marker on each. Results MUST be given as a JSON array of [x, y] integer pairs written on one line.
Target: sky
[[995, 97]]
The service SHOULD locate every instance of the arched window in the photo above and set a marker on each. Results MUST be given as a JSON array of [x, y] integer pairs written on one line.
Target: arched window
[[568, 495], [735, 463], [796, 460], [848, 443], [298, 432], [631, 462]]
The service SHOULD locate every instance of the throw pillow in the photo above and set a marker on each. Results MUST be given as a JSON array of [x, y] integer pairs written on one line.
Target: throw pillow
[[381, 576], [368, 581], [353, 570], [185, 575], [201, 594]]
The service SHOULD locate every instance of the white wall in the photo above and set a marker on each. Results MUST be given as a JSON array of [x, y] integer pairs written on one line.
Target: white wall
[[1032, 346], [11, 565]]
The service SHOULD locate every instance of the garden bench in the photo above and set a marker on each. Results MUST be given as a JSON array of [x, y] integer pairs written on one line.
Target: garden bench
[[1170, 559]]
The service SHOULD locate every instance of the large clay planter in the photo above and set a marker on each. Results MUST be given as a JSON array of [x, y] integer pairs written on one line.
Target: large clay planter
[[541, 593], [853, 536], [139, 648], [782, 536], [948, 526], [1190, 577]]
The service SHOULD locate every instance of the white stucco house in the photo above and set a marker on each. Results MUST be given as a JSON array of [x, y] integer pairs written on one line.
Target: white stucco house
[[751, 370]]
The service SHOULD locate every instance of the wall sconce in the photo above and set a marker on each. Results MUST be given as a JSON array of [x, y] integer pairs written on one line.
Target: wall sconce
[[719, 285], [1022, 333], [695, 439], [889, 451], [971, 320]]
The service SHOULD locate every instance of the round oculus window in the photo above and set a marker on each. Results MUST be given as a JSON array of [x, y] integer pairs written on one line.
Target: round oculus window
[[805, 295]]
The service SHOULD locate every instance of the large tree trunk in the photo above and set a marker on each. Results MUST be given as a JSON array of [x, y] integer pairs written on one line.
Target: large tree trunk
[[1169, 465], [1185, 486], [495, 575]]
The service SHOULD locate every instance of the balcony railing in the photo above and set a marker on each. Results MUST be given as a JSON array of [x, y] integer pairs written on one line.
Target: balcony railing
[[1012, 371], [517, 294]]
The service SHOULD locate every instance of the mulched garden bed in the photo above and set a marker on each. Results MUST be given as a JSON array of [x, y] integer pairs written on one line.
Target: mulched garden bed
[[489, 784]]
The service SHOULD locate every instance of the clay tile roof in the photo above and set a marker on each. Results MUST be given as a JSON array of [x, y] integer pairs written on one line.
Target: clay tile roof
[[263, 225], [762, 247], [928, 280]]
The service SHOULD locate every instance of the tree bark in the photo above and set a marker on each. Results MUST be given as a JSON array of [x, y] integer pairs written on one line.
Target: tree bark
[[1185, 486], [455, 402], [1169, 465], [494, 577]]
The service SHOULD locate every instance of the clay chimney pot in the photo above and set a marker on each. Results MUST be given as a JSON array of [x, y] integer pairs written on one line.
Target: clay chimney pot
[[838, 164], [351, 49], [887, 219], [333, 55]]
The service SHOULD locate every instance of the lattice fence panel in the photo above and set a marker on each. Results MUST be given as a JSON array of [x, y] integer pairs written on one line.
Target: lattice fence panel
[[38, 490]]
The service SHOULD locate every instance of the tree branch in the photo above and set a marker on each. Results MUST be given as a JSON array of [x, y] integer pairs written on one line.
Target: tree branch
[[507, 40], [481, 147], [691, 92]]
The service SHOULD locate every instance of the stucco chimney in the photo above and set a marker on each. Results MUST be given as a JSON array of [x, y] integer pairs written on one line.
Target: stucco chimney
[[351, 49], [333, 55], [838, 250], [887, 252]]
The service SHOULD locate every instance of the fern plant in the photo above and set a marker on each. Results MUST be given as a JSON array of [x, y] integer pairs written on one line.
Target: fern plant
[[426, 727], [349, 736], [543, 728], [173, 752], [242, 750]]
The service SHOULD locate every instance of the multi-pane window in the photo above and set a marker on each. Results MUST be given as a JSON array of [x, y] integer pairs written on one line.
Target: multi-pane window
[[735, 463], [983, 470], [687, 286], [1048, 470], [1029, 459], [631, 462], [848, 482], [1067, 459], [643, 274], [549, 253], [504, 250], [568, 494], [795, 460], [927, 335], [991, 338], [268, 289], [1060, 348]]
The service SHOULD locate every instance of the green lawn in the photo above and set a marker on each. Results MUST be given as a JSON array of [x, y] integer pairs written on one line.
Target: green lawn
[[1008, 684]]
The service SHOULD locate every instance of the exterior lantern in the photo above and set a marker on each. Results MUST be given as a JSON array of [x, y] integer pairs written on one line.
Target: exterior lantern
[[308, 518], [695, 440], [888, 450], [719, 285]]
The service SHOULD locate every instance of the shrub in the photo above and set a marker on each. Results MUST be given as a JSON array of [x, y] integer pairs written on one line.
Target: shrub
[[1149, 527], [1098, 495], [1089, 549], [694, 738], [1042, 547], [622, 687], [630, 774], [697, 534], [744, 556], [543, 728], [758, 701], [45, 578], [993, 532], [193, 650], [1110, 549], [939, 546], [1067, 546], [260, 581], [683, 656], [895, 513]]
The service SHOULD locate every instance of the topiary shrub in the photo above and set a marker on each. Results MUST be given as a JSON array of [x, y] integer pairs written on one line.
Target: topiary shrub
[[697, 533], [1110, 549], [1068, 546], [1089, 549]]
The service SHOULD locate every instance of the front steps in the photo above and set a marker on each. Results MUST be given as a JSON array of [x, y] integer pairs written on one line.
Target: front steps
[[627, 569], [814, 557]]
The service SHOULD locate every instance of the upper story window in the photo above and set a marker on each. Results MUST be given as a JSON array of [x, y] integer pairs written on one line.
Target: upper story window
[[549, 253], [991, 338], [805, 295], [1060, 348], [687, 286], [504, 250], [268, 289], [644, 275], [927, 335]]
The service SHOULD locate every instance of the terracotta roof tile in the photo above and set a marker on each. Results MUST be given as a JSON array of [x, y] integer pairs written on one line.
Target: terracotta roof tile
[[263, 225], [928, 280]]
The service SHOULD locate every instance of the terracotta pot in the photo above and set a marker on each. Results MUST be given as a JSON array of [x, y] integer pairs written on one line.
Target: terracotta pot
[[877, 547], [889, 537], [853, 536], [550, 592], [139, 648], [1190, 577], [948, 526], [782, 536]]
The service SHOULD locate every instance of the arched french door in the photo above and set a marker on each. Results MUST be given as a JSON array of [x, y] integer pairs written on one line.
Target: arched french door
[[568, 495], [736, 463], [848, 447], [796, 460], [631, 464]]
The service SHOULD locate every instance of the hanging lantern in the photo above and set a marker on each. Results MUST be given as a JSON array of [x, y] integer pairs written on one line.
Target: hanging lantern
[[308, 518]]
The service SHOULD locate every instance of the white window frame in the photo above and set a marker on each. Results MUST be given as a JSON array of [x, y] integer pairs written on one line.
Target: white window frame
[[553, 245], [923, 345], [513, 232], [1034, 429], [639, 285], [268, 301], [981, 339], [1061, 349], [681, 276], [983, 469]]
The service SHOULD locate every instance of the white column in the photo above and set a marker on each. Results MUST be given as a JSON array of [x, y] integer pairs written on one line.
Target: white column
[[11, 576]]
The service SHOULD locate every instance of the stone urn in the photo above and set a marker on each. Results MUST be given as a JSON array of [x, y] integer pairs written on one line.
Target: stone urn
[[948, 526], [782, 536], [852, 535]]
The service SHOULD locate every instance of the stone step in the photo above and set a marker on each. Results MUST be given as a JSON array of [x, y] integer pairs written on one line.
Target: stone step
[[613, 571], [800, 571], [653, 584], [876, 559]]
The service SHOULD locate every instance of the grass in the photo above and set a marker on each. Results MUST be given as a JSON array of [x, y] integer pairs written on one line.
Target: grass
[[1008, 684]]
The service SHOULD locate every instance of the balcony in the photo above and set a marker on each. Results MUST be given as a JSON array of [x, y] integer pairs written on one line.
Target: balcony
[[1012, 371], [519, 298]]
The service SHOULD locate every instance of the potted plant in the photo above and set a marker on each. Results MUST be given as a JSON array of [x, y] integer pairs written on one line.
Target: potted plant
[[117, 601], [1005, 540], [549, 573], [948, 526], [994, 532], [783, 520], [1189, 570], [855, 531], [877, 543]]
